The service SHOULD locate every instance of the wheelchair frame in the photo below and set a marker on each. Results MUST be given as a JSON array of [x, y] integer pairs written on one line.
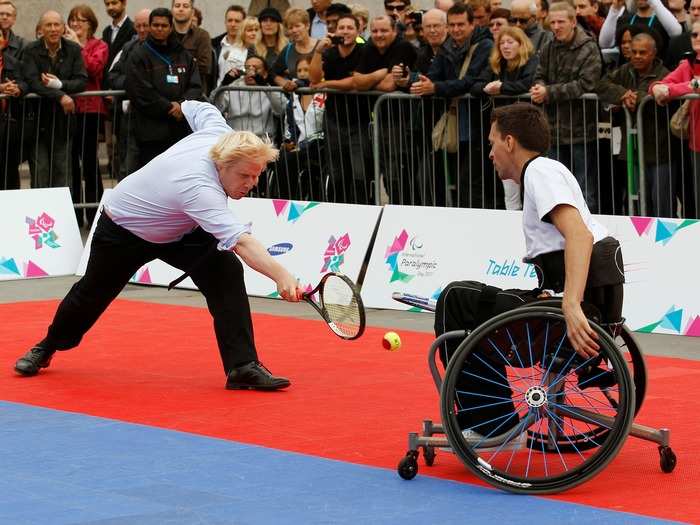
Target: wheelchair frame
[[435, 435]]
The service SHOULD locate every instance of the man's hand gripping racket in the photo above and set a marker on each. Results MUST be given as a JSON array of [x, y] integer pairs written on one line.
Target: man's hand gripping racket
[[339, 304]]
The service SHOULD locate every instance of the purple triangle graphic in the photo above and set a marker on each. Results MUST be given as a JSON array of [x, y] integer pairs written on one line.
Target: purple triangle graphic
[[279, 205], [693, 328], [34, 271], [641, 224]]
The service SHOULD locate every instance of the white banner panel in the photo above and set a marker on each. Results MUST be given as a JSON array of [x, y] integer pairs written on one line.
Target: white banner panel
[[40, 235], [308, 238], [420, 250]]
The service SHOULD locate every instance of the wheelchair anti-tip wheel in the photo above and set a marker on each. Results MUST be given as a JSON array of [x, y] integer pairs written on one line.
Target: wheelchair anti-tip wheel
[[517, 376]]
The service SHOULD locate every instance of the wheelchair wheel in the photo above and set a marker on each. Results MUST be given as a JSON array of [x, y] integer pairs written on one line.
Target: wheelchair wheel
[[516, 376]]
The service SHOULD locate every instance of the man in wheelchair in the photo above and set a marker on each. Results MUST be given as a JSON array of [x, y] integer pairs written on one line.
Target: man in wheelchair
[[571, 251]]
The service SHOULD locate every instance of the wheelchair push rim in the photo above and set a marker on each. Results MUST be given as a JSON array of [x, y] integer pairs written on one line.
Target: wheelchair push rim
[[516, 375]]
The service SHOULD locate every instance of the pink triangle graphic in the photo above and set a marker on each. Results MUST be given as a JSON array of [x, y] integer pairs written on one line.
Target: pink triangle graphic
[[398, 244], [279, 205], [693, 328], [145, 277], [641, 224], [34, 271]]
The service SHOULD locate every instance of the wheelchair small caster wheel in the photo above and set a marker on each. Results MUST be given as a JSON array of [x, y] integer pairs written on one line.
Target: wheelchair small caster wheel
[[408, 466], [429, 456], [667, 460]]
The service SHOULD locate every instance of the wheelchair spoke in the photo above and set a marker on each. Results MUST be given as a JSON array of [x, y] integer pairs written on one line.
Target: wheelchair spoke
[[478, 394], [556, 420], [514, 346], [505, 361], [529, 349], [462, 410], [498, 373], [575, 415], [491, 381], [573, 371], [554, 357], [493, 420]]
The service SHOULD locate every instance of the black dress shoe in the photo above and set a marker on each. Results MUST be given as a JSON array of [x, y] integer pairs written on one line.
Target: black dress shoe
[[30, 363], [254, 376]]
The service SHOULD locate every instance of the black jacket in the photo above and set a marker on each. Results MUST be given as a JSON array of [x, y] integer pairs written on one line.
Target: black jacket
[[677, 48], [125, 34], [151, 93], [15, 45], [117, 74], [514, 82], [444, 70], [12, 70], [69, 68]]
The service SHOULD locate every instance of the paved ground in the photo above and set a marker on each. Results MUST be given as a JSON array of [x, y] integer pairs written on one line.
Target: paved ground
[[56, 287]]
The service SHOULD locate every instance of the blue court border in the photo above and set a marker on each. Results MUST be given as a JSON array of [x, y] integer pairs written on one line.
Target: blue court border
[[66, 468]]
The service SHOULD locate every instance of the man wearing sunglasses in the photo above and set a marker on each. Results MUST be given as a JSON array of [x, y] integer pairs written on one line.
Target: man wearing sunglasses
[[523, 14], [397, 9], [680, 45]]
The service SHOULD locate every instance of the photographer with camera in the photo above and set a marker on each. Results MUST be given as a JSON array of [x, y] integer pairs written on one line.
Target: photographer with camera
[[335, 59], [252, 111]]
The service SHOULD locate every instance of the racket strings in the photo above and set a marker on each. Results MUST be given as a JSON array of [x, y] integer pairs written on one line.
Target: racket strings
[[342, 307]]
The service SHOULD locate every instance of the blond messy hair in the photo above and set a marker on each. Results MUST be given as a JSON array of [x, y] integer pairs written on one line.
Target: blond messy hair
[[243, 145]]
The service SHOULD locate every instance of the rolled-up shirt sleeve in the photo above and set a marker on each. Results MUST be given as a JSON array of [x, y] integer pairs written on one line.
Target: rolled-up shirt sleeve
[[208, 207], [203, 115]]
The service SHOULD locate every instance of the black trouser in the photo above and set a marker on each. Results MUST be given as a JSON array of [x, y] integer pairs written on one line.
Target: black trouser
[[464, 305], [115, 256]]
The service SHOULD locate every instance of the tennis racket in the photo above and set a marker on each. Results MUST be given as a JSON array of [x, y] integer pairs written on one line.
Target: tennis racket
[[415, 300], [339, 304]]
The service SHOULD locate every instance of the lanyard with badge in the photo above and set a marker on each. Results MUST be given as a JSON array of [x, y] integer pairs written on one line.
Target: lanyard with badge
[[649, 23], [171, 77]]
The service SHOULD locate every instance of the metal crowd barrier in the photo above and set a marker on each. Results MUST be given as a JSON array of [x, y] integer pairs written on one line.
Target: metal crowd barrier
[[373, 147], [669, 171], [327, 156], [41, 143], [418, 171]]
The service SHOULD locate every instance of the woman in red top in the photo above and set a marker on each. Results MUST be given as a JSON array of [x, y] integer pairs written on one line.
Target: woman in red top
[[82, 24], [685, 80]]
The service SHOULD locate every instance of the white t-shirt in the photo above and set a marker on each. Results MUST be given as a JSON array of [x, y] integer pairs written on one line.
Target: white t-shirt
[[180, 189], [548, 183]]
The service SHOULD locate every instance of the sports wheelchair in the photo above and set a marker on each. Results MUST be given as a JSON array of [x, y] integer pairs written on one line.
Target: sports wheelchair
[[555, 419]]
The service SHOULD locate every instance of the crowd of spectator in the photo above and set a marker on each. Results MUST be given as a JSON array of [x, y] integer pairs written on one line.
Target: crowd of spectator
[[554, 54]]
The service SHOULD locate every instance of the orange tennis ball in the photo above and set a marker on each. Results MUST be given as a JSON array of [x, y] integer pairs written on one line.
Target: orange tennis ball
[[391, 341]]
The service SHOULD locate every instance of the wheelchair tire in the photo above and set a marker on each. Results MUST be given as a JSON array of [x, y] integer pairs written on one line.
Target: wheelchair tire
[[631, 353], [538, 368]]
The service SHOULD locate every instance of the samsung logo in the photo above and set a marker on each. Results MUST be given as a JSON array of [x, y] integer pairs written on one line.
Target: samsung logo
[[280, 249]]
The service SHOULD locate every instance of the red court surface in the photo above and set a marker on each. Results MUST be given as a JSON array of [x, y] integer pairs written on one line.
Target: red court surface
[[352, 401]]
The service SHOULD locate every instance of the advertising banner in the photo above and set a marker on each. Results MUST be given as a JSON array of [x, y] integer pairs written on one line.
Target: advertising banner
[[420, 250], [40, 235], [308, 238]]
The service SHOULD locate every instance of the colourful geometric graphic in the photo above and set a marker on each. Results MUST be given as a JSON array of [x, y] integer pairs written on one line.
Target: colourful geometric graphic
[[296, 209], [41, 230], [142, 276], [665, 228], [31, 269], [673, 320], [8, 266], [334, 254], [392, 258]]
